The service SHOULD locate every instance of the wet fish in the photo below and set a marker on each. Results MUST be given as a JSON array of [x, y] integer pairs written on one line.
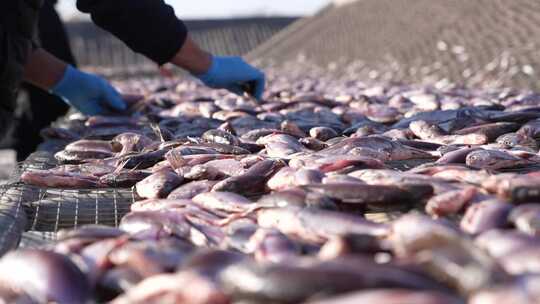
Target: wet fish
[[494, 159], [456, 157], [450, 203], [491, 130], [484, 216], [123, 179], [329, 164], [281, 145], [253, 181], [526, 218], [77, 157], [433, 133], [377, 195], [292, 283], [221, 137], [413, 233], [155, 225], [47, 276], [395, 150], [531, 129], [317, 225], [391, 296], [352, 244], [197, 289], [322, 133], [521, 290], [515, 140], [159, 184], [46, 178], [272, 246], [191, 189], [130, 142], [288, 177], [499, 242], [313, 143], [223, 201]]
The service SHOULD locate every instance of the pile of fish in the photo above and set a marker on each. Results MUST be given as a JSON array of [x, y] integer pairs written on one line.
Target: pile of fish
[[281, 201]]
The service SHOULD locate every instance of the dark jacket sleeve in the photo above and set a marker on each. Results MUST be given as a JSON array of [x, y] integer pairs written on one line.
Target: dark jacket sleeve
[[149, 27]]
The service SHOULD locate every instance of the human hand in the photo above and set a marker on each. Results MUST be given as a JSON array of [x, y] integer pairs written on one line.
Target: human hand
[[233, 74], [88, 93]]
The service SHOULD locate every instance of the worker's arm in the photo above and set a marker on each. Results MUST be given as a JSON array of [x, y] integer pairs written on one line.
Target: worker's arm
[[150, 27], [88, 93]]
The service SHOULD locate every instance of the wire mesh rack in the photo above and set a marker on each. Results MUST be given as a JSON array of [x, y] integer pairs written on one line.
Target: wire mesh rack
[[31, 216]]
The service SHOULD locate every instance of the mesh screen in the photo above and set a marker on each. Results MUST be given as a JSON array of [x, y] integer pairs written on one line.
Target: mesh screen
[[468, 42], [42, 212]]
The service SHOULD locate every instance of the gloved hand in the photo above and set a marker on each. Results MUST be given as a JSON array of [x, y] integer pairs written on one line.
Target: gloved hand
[[232, 73], [88, 93]]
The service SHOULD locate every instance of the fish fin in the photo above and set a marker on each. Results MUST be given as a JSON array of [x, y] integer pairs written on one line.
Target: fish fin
[[175, 159], [158, 132]]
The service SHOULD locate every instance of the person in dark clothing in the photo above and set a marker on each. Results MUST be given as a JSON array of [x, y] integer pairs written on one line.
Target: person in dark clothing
[[149, 27], [40, 107]]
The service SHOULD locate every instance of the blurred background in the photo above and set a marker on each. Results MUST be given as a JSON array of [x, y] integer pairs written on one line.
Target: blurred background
[[205, 9], [222, 27]]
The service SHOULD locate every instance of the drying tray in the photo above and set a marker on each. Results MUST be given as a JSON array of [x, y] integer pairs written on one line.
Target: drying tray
[[31, 216]]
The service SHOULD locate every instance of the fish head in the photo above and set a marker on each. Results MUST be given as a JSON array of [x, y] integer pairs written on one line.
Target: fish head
[[509, 140], [480, 159]]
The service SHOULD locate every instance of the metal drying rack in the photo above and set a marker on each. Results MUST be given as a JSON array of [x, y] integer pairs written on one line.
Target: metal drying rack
[[31, 216]]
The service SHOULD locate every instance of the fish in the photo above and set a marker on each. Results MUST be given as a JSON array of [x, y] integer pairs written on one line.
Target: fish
[[486, 215], [450, 203], [222, 201], [48, 276], [316, 225], [44, 178], [491, 130], [123, 179], [253, 181], [293, 283], [77, 157], [272, 246], [323, 133], [314, 195], [494, 159], [432, 133], [191, 189], [514, 140], [531, 129], [526, 219], [126, 143], [520, 290], [395, 150], [159, 184], [501, 242], [197, 289], [458, 156], [221, 137], [391, 296], [378, 195]]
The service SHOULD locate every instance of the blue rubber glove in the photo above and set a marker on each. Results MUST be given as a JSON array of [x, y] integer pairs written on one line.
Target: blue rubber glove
[[232, 73], [88, 93]]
